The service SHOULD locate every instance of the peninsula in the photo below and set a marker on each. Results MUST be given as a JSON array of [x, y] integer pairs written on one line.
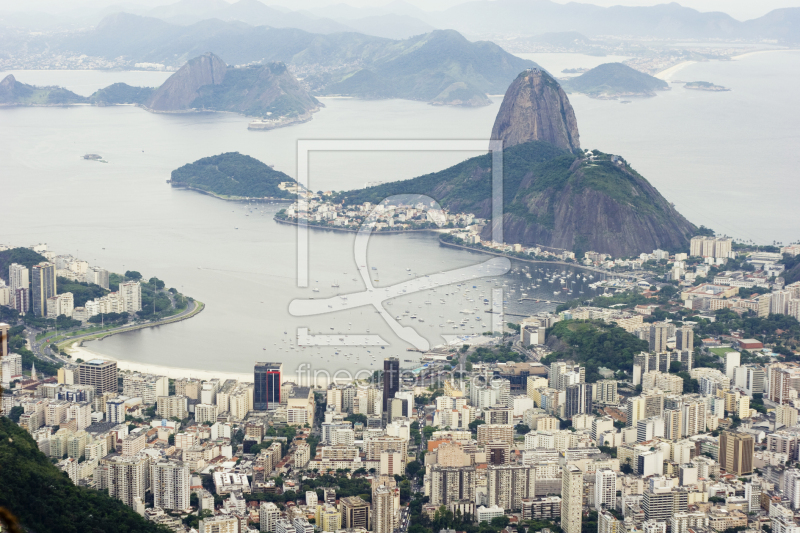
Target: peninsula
[[705, 86]]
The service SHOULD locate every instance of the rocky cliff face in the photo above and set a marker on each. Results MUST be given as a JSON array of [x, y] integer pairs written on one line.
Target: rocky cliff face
[[536, 108], [181, 89]]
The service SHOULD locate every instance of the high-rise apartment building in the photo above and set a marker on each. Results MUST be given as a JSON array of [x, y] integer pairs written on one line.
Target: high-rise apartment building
[[355, 513], [267, 392], [131, 294], [736, 452], [170, 485], [268, 515], [571, 499], [19, 287], [607, 523], [660, 503], [508, 485], [693, 417], [127, 478], [43, 286], [490, 432], [606, 392], [382, 510], [684, 338], [100, 374], [605, 489], [4, 329], [659, 333], [579, 400], [391, 380], [450, 484]]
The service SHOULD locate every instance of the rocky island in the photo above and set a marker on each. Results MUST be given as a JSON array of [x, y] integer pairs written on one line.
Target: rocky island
[[705, 86], [611, 81], [235, 176]]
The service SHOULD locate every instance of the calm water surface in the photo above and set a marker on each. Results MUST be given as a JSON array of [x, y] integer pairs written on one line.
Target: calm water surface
[[727, 160]]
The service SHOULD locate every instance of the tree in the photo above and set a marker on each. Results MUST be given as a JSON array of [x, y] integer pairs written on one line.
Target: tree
[[675, 367], [473, 426], [500, 521], [132, 274], [522, 429]]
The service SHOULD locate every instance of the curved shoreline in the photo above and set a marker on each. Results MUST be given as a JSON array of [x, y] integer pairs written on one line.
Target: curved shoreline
[[69, 344], [348, 230], [265, 199]]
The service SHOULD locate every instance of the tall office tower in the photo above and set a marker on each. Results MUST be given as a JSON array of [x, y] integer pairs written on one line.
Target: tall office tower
[[391, 380], [127, 478], [571, 499], [170, 485], [19, 278], [579, 400], [43, 286], [658, 337], [268, 515], [267, 391], [102, 375], [605, 489], [355, 512], [673, 425], [791, 480], [607, 523], [693, 417], [131, 294], [732, 360], [451, 483], [736, 452], [4, 339], [382, 510], [508, 485], [684, 339]]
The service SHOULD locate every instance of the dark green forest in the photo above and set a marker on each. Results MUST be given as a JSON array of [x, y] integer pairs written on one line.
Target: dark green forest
[[42, 498], [232, 174]]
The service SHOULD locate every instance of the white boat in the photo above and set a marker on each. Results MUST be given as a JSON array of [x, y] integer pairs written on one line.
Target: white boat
[[465, 311], [315, 289]]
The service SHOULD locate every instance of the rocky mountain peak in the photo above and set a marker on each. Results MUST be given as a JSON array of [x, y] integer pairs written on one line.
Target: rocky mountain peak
[[181, 89], [536, 108]]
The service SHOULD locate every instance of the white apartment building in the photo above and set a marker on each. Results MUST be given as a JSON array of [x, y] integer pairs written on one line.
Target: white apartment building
[[170, 485], [605, 489], [61, 304], [131, 293], [127, 478]]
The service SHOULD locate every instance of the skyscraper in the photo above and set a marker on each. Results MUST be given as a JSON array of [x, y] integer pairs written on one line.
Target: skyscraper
[[736, 452], [382, 510], [579, 400], [267, 392], [391, 380], [571, 499], [43, 286], [658, 337], [4, 339]]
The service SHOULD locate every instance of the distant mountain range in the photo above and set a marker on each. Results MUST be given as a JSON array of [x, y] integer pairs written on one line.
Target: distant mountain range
[[399, 20], [425, 67]]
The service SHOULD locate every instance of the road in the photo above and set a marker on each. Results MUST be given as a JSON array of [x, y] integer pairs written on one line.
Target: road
[[41, 348]]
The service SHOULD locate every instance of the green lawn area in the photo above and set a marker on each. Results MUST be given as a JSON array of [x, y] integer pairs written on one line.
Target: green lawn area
[[721, 351]]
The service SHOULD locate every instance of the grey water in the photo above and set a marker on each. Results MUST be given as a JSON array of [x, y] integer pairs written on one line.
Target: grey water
[[727, 160]]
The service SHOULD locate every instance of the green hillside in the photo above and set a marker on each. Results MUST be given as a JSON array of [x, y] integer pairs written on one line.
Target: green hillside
[[43, 499], [22, 256], [232, 175], [13, 92], [615, 78], [121, 93]]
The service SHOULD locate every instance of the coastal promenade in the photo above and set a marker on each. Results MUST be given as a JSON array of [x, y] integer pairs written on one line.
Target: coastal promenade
[[41, 347]]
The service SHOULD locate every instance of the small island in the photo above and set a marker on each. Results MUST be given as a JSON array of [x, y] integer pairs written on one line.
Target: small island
[[611, 81], [705, 86], [237, 177]]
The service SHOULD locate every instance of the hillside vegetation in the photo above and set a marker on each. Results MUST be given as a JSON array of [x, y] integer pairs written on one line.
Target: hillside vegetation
[[594, 344], [22, 256], [232, 175], [615, 79], [13, 92], [121, 93], [44, 499]]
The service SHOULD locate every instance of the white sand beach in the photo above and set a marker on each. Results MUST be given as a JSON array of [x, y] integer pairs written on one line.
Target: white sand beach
[[667, 73]]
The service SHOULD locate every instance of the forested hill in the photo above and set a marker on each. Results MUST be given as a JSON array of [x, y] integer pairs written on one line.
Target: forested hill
[[22, 256], [43, 499], [232, 175], [615, 79]]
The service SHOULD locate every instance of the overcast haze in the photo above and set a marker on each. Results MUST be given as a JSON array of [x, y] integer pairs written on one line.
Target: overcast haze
[[740, 9]]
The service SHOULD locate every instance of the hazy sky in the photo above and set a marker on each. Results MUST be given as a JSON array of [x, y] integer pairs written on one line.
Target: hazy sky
[[740, 9]]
